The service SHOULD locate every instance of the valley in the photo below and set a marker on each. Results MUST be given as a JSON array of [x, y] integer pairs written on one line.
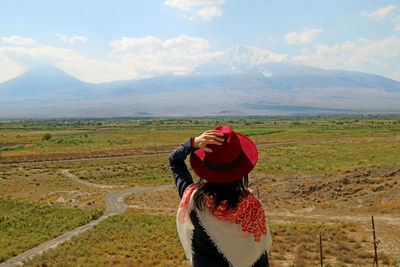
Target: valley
[[326, 174]]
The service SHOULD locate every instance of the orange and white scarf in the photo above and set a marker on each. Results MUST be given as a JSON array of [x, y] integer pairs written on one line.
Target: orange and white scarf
[[241, 235]]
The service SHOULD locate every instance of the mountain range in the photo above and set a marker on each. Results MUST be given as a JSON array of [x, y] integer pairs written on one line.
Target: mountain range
[[242, 81]]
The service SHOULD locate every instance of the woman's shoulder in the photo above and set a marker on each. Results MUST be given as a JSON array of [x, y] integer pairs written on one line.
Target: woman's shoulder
[[252, 199]]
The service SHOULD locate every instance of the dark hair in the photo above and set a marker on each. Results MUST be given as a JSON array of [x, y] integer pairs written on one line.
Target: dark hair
[[221, 191]]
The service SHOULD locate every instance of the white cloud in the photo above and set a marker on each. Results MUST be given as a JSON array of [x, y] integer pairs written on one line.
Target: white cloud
[[17, 40], [202, 9], [187, 5], [76, 64], [379, 13], [209, 12], [71, 40], [267, 74], [307, 36], [62, 37], [78, 38], [386, 48], [152, 56], [364, 55], [130, 58], [151, 44], [396, 22], [251, 56], [9, 69]]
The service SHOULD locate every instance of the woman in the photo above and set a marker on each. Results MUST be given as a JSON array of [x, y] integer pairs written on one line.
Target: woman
[[220, 222]]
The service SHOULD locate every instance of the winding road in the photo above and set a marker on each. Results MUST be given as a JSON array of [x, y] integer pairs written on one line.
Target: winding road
[[114, 206]]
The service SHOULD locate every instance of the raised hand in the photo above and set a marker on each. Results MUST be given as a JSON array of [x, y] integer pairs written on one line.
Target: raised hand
[[210, 137]]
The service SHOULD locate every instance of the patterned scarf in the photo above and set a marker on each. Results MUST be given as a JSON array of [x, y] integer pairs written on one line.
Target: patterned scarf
[[241, 235]]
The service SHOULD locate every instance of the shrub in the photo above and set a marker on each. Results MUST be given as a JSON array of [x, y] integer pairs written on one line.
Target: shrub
[[47, 137]]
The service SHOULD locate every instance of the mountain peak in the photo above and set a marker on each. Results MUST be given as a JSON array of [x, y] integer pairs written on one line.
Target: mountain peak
[[40, 80], [46, 71], [251, 56], [245, 59]]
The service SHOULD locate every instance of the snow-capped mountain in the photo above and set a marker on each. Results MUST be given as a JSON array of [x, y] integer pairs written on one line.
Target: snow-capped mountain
[[243, 80], [244, 59]]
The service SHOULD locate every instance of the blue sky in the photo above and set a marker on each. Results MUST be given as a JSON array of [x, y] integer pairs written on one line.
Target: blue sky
[[100, 41]]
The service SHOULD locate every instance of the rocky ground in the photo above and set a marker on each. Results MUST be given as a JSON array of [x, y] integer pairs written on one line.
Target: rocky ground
[[365, 189], [298, 208], [351, 198]]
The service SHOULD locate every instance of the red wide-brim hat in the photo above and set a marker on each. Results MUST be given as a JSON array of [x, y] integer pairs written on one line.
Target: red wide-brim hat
[[228, 162]]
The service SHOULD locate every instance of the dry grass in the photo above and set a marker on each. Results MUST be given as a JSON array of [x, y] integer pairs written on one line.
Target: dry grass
[[27, 224], [130, 239], [160, 201]]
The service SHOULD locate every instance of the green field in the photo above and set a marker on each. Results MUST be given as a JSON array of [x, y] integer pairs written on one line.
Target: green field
[[26, 224], [136, 151], [122, 240], [324, 157], [22, 141], [150, 240]]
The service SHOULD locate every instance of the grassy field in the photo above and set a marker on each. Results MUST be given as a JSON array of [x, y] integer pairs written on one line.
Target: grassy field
[[26, 224], [123, 240], [135, 239], [129, 171], [295, 237], [22, 141], [44, 183], [328, 156], [285, 159], [44, 202]]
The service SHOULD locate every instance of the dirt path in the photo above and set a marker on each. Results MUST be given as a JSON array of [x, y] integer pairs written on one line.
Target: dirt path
[[114, 205], [77, 180]]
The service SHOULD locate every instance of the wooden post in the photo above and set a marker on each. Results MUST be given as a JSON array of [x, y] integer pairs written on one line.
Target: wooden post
[[320, 250], [375, 243]]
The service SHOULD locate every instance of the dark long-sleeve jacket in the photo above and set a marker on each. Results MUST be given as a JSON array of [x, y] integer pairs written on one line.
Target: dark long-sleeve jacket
[[204, 251]]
